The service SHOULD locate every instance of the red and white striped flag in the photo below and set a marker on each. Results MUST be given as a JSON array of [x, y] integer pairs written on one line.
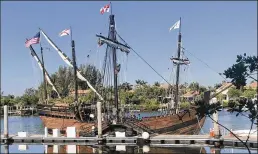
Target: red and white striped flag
[[105, 9], [65, 32]]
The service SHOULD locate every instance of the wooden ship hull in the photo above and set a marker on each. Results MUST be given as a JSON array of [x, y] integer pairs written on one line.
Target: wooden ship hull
[[184, 123]]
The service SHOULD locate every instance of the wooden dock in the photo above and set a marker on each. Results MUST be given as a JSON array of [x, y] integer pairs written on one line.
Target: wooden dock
[[160, 140]]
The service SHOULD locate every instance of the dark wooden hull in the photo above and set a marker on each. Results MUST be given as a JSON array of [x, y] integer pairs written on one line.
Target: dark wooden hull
[[186, 125]]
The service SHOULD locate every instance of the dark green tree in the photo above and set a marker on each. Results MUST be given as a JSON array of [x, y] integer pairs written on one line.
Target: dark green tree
[[244, 68]]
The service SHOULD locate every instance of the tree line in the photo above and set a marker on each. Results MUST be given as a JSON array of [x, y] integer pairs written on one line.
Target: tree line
[[142, 93]]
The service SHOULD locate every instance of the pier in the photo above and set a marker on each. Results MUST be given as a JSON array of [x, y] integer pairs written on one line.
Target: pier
[[159, 140], [226, 140], [19, 110]]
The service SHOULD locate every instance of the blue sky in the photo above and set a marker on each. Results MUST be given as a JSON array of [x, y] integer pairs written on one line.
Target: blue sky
[[213, 31]]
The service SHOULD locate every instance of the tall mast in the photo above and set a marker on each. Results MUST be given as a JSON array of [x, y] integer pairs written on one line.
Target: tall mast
[[112, 36], [178, 69], [75, 69], [44, 78]]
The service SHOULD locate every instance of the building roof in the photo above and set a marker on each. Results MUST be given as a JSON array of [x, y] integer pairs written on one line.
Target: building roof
[[224, 85], [81, 91], [253, 85], [164, 85], [190, 94]]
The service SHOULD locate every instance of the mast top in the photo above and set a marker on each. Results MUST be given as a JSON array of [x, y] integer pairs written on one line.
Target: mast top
[[110, 8], [180, 25]]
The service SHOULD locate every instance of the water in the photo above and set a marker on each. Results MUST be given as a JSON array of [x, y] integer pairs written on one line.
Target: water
[[33, 125]]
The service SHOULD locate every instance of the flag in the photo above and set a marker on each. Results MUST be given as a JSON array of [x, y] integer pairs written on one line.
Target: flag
[[100, 43], [34, 40], [117, 70], [65, 32], [105, 9], [175, 26]]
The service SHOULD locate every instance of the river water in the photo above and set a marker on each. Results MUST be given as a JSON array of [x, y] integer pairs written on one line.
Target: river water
[[33, 125]]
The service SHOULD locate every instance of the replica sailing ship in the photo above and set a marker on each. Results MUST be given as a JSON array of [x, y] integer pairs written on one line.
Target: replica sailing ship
[[82, 115]]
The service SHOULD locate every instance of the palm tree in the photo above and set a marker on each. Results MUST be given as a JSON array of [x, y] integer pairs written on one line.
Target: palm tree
[[157, 84], [194, 86], [126, 86]]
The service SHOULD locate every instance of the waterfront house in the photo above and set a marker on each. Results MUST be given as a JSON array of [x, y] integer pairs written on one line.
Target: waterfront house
[[190, 96], [225, 92]]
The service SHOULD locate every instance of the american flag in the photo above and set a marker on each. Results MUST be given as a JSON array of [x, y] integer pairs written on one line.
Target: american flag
[[105, 9], [34, 40]]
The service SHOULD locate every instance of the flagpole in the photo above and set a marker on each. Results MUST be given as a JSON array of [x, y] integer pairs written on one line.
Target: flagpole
[[71, 34], [110, 8], [180, 25]]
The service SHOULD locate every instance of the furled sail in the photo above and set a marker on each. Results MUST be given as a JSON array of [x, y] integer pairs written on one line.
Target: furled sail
[[180, 61], [111, 43], [33, 54], [69, 62]]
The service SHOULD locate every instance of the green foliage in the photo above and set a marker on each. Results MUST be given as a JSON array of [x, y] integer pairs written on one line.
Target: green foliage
[[249, 93], [194, 86], [88, 98], [185, 105], [30, 97], [63, 79], [68, 100], [225, 103], [244, 67], [234, 93], [157, 84], [220, 97], [206, 109], [125, 86], [151, 104], [140, 82]]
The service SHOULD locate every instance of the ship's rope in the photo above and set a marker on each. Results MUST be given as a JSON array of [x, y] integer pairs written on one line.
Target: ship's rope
[[199, 124], [205, 64], [144, 60]]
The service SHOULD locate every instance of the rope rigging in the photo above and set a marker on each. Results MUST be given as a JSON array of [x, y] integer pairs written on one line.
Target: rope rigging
[[143, 59], [204, 63]]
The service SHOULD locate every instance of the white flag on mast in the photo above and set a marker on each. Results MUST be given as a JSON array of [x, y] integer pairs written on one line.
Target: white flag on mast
[[65, 32], [175, 26]]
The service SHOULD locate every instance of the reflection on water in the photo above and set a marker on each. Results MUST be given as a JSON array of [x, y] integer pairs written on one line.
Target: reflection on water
[[116, 149], [33, 125]]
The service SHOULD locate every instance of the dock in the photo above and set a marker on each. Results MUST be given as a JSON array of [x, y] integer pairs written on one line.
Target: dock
[[159, 140]]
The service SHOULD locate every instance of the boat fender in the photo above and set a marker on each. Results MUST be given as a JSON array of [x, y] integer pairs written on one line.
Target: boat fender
[[145, 135], [92, 115], [146, 148]]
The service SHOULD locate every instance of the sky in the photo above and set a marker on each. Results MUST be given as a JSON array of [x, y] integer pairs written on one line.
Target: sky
[[214, 32]]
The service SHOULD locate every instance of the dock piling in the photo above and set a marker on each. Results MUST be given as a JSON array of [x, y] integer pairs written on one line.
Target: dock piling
[[99, 119], [5, 121], [46, 132]]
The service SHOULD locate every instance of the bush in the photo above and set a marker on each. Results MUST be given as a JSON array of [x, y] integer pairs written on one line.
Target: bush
[[184, 105], [151, 104], [225, 103]]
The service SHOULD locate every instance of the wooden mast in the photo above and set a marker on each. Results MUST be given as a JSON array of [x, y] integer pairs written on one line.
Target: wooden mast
[[44, 78], [178, 69], [74, 69], [112, 36]]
